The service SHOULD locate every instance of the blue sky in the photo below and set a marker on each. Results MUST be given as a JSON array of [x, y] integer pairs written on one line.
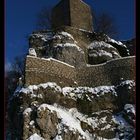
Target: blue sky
[[21, 17]]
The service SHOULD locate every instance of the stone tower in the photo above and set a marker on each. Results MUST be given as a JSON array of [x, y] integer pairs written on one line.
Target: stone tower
[[74, 13]]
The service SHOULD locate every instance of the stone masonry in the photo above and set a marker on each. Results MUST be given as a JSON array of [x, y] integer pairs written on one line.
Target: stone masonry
[[50, 70], [74, 13], [73, 17]]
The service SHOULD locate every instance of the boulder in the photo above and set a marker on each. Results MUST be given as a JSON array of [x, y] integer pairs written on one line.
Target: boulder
[[100, 52]]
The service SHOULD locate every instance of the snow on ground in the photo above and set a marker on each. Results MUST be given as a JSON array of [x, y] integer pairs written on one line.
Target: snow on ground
[[50, 35], [43, 36], [100, 48], [131, 83], [73, 92], [32, 122], [32, 52], [114, 41], [58, 137], [35, 137], [129, 108], [126, 131], [27, 111], [72, 119], [100, 44], [76, 92], [84, 29], [118, 119], [31, 88], [51, 59], [67, 35], [62, 34], [66, 119], [59, 35], [69, 45], [101, 53], [118, 43]]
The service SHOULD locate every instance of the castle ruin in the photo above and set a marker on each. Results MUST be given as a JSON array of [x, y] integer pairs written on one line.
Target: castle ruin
[[73, 55], [79, 85]]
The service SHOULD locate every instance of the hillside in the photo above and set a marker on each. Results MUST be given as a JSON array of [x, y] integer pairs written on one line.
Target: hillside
[[48, 111]]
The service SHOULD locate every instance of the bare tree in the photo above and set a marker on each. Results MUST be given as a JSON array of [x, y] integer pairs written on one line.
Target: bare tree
[[44, 20], [105, 23], [12, 76], [18, 65]]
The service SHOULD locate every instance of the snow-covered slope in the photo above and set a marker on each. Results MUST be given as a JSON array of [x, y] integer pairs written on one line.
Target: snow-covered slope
[[51, 112]]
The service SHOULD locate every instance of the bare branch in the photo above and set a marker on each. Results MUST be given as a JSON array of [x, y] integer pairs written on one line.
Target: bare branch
[[106, 24]]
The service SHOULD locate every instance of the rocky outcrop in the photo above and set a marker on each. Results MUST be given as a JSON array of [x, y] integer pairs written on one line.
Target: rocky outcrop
[[120, 46], [131, 45], [65, 49], [60, 46], [77, 49], [100, 52], [48, 111]]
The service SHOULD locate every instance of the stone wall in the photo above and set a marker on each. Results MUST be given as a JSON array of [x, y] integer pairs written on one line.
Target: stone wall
[[73, 13], [45, 70], [109, 73], [61, 14], [80, 14]]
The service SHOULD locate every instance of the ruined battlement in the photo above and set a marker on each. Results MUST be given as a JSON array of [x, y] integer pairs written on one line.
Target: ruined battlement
[[40, 70]]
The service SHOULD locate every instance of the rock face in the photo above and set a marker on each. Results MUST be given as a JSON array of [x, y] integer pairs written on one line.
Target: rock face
[[50, 112], [61, 46], [131, 45], [120, 46], [65, 49], [100, 52], [77, 51]]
